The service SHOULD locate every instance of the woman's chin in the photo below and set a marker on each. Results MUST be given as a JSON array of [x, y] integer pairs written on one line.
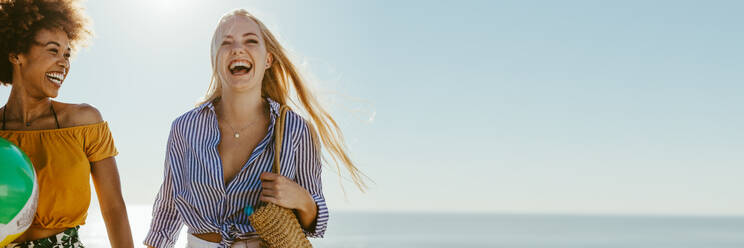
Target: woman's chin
[[51, 93], [239, 86]]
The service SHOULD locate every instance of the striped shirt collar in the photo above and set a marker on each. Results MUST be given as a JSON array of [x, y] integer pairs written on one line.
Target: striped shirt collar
[[273, 107]]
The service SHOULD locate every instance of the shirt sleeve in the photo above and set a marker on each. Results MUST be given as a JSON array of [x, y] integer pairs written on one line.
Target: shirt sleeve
[[166, 222], [308, 176], [99, 143]]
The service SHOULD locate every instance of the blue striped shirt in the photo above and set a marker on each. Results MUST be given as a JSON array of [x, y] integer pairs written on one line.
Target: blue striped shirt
[[193, 190]]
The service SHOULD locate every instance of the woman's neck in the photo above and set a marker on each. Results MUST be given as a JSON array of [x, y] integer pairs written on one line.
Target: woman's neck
[[241, 108], [24, 107]]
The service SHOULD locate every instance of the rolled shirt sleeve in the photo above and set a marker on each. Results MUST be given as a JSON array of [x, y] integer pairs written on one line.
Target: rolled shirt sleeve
[[166, 222], [308, 176]]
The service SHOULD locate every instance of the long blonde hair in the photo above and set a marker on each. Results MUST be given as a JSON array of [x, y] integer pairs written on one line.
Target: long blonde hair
[[276, 85]]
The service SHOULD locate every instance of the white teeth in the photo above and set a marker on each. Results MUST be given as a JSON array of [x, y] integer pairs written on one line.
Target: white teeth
[[55, 77], [239, 63]]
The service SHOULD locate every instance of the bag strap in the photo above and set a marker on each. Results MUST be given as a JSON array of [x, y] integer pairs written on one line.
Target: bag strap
[[279, 137]]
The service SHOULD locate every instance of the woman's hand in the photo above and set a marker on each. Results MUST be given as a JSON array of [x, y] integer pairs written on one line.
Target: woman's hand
[[284, 192]]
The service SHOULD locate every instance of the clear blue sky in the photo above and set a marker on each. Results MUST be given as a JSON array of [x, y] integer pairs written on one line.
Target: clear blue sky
[[628, 107]]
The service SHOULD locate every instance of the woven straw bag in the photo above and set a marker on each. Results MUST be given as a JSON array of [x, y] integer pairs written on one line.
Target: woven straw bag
[[278, 226]]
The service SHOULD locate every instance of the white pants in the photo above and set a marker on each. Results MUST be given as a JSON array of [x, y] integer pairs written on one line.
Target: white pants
[[194, 242]]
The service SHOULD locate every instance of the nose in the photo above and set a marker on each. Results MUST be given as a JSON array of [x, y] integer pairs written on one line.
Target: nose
[[237, 48], [64, 62]]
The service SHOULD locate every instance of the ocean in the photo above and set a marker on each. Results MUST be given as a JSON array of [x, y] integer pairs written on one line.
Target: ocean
[[397, 230]]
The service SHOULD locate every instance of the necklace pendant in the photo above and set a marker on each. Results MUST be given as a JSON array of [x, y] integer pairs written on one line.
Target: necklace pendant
[[237, 135], [28, 124]]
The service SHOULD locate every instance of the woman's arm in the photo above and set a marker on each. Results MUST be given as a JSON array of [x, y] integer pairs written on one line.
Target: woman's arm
[[306, 195], [99, 148], [166, 222], [108, 187]]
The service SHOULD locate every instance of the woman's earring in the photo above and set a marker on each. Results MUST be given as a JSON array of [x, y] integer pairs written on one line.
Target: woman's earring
[[15, 59]]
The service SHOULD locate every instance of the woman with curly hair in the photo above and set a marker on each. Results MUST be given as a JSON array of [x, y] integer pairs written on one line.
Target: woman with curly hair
[[67, 143], [219, 155]]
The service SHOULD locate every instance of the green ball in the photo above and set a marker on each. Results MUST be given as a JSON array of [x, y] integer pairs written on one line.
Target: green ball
[[18, 191]]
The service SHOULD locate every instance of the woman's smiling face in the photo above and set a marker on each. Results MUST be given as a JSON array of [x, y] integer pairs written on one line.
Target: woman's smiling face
[[242, 58], [45, 66]]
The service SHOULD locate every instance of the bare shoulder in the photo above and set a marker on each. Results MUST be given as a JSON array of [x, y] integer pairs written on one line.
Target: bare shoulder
[[81, 114]]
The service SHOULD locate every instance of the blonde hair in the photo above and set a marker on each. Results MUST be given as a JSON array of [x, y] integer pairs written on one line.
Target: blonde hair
[[276, 85]]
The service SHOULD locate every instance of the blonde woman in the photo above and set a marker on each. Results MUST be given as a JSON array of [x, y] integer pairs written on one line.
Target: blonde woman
[[219, 155]]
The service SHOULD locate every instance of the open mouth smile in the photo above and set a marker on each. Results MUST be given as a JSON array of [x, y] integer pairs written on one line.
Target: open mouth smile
[[239, 67], [56, 77]]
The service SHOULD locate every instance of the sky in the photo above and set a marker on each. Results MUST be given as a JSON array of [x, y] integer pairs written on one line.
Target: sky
[[574, 107]]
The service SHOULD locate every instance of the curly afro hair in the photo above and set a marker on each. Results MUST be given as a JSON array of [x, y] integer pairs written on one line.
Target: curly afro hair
[[21, 20]]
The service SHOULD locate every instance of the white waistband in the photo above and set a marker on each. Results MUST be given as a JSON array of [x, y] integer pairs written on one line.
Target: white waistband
[[195, 242]]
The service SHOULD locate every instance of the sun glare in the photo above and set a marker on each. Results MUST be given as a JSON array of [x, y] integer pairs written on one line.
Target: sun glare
[[168, 6]]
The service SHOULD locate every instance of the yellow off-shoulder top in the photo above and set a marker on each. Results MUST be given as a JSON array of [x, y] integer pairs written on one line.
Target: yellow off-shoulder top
[[62, 158]]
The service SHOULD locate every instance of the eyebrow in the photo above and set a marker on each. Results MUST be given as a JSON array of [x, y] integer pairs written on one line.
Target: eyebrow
[[244, 35], [57, 44]]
